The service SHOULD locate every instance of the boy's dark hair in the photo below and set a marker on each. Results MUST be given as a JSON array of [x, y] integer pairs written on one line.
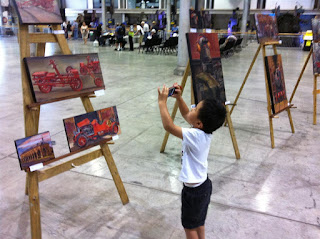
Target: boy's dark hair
[[212, 114]]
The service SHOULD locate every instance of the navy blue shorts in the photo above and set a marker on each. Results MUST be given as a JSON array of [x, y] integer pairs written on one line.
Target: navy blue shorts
[[195, 202]]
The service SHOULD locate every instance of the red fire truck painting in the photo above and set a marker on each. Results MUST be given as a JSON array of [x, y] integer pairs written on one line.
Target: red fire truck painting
[[45, 4], [46, 80]]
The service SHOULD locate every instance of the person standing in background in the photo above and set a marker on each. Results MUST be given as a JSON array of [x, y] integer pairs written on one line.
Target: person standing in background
[[84, 32], [131, 34], [145, 29], [140, 33], [75, 27]]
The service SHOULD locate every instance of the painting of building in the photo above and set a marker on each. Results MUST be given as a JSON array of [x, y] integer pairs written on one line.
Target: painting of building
[[34, 149]]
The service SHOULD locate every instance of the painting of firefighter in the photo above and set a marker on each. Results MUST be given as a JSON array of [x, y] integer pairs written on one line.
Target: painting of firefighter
[[206, 68], [63, 76], [316, 29], [277, 87], [194, 19], [316, 58], [91, 128], [38, 12], [267, 28], [34, 149]]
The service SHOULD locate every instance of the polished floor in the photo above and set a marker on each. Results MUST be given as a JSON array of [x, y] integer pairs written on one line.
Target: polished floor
[[268, 193]]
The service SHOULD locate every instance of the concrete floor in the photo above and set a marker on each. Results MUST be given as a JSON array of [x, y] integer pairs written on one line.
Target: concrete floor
[[268, 193]]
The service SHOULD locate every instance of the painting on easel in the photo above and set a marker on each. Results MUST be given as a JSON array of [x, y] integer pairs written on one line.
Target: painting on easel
[[91, 128], [34, 149], [194, 19], [277, 87], [316, 58], [267, 28], [206, 67], [316, 29], [37, 12], [57, 77]]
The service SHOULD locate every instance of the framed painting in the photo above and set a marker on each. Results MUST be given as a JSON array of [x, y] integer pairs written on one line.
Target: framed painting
[[91, 128], [63, 76], [316, 57], [38, 12], [206, 67], [267, 28], [316, 29], [34, 149], [194, 19], [277, 87]]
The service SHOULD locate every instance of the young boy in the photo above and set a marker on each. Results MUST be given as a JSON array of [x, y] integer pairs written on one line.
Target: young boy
[[197, 187]]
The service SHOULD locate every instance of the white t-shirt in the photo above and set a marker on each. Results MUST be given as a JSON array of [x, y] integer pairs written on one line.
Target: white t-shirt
[[195, 150], [146, 27], [140, 30]]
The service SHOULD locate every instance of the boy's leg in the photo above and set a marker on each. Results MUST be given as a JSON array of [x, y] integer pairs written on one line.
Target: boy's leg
[[196, 233]]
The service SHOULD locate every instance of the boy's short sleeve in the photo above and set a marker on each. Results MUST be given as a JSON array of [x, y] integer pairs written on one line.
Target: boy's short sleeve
[[190, 136]]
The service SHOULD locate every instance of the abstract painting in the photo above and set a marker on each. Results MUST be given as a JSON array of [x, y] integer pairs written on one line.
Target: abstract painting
[[37, 12], [316, 58], [91, 128], [267, 28], [206, 67], [316, 29], [34, 149], [277, 87], [62, 76]]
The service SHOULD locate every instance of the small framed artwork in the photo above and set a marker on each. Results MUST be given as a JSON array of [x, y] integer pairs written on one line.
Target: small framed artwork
[[267, 28], [34, 149], [91, 128]]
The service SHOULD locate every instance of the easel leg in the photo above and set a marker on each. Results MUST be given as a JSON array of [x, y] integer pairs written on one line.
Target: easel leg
[[271, 132], [245, 78], [314, 99], [290, 120], [114, 172], [34, 205], [300, 76], [175, 108], [232, 134], [62, 41]]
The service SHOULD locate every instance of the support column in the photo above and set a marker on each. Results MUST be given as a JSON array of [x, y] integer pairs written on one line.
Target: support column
[[123, 17], [168, 16], [103, 7], [184, 27], [245, 15]]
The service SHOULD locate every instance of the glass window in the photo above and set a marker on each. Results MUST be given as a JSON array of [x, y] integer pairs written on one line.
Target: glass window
[[97, 3]]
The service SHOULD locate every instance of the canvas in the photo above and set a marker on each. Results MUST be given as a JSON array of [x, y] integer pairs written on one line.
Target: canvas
[[267, 28], [34, 149], [194, 19], [277, 87], [316, 58], [316, 29], [37, 12], [91, 128], [206, 67], [58, 77]]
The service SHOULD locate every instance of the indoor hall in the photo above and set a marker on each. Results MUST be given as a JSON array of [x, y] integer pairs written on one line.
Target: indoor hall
[[268, 193]]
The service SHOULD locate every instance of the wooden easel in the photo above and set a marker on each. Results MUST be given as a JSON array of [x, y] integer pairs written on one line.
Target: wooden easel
[[175, 108], [271, 116], [315, 90], [31, 123]]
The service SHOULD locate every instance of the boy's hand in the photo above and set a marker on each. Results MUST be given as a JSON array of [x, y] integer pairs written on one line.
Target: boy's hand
[[163, 94], [177, 92]]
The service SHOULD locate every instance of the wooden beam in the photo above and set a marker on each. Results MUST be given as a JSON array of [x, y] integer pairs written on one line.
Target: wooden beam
[[66, 166], [41, 37]]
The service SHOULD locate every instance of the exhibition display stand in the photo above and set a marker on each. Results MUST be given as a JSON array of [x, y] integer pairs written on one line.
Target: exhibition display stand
[[175, 108], [315, 90], [270, 114], [31, 124]]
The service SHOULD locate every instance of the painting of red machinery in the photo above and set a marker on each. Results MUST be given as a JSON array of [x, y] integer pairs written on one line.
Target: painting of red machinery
[[57, 77], [38, 11], [91, 128]]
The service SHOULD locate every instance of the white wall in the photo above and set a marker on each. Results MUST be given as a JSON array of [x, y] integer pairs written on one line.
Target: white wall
[[290, 4], [232, 4], [77, 4]]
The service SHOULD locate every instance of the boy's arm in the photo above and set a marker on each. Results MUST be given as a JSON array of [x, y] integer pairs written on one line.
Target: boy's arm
[[184, 110], [167, 122]]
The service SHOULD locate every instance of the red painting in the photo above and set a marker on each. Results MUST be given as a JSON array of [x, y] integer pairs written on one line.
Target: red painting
[[196, 40], [59, 77], [277, 87], [37, 12], [267, 28], [91, 128]]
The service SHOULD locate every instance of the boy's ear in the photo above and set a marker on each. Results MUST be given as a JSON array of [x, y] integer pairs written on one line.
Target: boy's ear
[[199, 124]]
